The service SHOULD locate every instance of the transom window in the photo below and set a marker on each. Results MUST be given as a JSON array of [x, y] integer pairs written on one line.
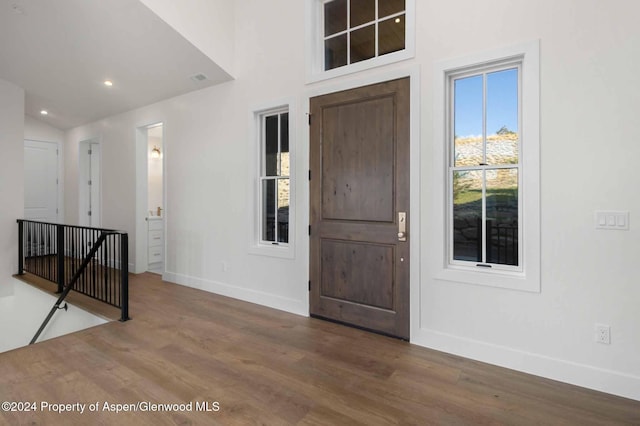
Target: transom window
[[274, 177], [357, 30], [485, 167]]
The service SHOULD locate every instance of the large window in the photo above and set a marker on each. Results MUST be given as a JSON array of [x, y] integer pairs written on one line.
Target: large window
[[347, 36], [484, 167], [489, 106], [274, 177]]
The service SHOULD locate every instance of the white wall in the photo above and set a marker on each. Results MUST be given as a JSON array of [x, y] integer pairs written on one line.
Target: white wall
[[208, 24], [11, 184], [589, 105], [590, 97], [37, 130], [205, 154]]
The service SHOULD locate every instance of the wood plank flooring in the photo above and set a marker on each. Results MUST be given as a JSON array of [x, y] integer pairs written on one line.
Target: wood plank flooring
[[263, 366]]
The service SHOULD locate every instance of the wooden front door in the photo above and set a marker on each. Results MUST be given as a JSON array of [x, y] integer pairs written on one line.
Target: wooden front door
[[359, 190]]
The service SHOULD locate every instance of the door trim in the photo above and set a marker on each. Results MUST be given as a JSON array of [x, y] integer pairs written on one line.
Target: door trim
[[82, 177], [142, 190], [413, 72]]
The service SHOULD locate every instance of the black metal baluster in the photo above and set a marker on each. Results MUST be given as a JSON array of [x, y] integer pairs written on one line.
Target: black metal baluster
[[124, 267], [114, 274], [20, 247], [60, 256], [114, 278]]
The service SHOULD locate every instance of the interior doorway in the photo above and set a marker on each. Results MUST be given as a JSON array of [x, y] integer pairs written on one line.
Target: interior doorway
[[90, 183], [150, 208], [41, 181]]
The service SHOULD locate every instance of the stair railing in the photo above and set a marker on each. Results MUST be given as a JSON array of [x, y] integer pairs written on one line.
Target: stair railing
[[96, 259]]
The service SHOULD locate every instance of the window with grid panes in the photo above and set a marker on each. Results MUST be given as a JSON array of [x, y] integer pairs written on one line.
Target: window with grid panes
[[358, 30], [485, 167], [274, 182]]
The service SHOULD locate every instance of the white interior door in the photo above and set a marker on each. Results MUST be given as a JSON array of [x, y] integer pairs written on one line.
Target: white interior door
[[41, 181]]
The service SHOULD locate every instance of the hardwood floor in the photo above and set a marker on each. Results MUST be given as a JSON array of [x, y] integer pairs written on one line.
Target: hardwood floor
[[264, 366]]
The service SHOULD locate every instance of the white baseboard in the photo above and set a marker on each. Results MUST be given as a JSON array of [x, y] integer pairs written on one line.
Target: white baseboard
[[265, 299], [612, 382]]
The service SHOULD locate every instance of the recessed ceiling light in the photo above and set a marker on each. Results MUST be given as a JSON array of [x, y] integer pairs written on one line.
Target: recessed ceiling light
[[44, 112], [108, 83]]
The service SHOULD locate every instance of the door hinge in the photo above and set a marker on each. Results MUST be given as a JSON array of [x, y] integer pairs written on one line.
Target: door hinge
[[57, 211], [89, 213], [309, 115], [57, 183], [57, 153], [309, 285], [309, 174], [309, 229], [89, 152], [89, 183]]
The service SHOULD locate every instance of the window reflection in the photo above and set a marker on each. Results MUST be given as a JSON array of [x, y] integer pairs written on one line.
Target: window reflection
[[353, 33]]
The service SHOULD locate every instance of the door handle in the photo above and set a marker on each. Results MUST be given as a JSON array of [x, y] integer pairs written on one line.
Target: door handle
[[402, 226]]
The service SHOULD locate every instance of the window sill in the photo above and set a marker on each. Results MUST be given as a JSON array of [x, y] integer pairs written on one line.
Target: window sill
[[501, 279], [272, 250], [390, 58]]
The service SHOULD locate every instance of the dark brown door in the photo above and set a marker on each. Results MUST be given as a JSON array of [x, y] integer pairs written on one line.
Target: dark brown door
[[359, 155]]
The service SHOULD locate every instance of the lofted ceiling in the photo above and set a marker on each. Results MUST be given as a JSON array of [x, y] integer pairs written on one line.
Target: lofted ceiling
[[61, 52]]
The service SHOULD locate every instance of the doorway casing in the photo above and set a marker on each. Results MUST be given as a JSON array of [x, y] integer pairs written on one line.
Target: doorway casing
[[90, 183], [142, 191]]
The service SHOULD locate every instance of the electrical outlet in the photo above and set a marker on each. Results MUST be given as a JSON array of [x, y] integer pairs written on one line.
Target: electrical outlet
[[603, 334]]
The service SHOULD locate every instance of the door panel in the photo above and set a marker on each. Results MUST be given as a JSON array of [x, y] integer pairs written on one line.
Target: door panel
[[359, 160], [351, 271], [353, 168]]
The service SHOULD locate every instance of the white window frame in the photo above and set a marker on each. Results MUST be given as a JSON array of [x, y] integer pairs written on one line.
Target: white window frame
[[526, 276], [483, 70], [314, 15], [256, 152]]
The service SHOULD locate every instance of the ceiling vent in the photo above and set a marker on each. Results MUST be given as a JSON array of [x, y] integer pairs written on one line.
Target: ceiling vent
[[17, 9], [199, 77]]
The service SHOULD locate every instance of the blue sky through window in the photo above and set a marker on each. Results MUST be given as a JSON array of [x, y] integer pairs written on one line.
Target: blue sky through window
[[502, 103]]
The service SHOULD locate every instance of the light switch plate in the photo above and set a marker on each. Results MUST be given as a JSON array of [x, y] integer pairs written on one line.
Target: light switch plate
[[612, 220]]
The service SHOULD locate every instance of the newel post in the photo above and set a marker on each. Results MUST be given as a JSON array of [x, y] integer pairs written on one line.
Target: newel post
[[20, 247], [124, 281], [60, 256]]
